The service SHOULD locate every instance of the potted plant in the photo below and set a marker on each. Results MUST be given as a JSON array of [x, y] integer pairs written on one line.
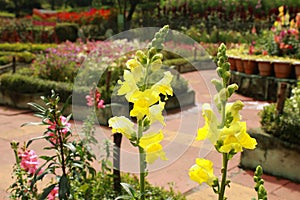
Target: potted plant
[[282, 68], [250, 65], [265, 66], [296, 65]]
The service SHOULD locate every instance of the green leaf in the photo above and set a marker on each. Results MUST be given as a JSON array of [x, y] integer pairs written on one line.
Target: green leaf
[[64, 187], [124, 197], [36, 138], [37, 177], [32, 124], [46, 192], [129, 189], [37, 107], [47, 158], [71, 147]]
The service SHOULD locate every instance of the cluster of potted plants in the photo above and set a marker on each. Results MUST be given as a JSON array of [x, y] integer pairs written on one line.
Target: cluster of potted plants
[[265, 65], [276, 52]]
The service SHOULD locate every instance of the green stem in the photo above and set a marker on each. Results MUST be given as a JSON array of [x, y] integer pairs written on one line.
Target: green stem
[[142, 160], [18, 166], [223, 113], [224, 175], [142, 172], [146, 76]]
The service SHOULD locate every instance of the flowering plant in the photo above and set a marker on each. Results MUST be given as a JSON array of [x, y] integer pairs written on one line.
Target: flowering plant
[[282, 39], [286, 33], [144, 94], [228, 136], [67, 164]]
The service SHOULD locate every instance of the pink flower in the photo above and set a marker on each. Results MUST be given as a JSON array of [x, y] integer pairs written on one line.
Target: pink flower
[[94, 98], [29, 161], [53, 126], [101, 104], [53, 194], [90, 100]]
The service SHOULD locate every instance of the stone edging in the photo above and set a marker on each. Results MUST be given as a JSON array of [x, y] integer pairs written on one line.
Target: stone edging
[[277, 157]]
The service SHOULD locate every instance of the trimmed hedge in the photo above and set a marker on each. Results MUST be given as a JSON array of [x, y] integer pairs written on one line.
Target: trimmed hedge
[[31, 85], [19, 47]]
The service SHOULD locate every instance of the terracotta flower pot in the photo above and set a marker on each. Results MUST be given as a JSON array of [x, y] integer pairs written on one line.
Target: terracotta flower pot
[[231, 60], [265, 67], [250, 66], [282, 69], [239, 65], [297, 69]]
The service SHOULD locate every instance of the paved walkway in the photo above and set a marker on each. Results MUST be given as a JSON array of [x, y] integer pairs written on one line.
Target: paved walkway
[[181, 129]]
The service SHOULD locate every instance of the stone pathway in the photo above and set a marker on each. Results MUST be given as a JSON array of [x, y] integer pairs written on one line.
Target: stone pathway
[[180, 130]]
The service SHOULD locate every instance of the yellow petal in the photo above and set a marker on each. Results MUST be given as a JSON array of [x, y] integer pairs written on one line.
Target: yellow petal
[[202, 171], [122, 125], [151, 138], [142, 102], [164, 85], [151, 144], [210, 129], [155, 113], [132, 63], [156, 65], [234, 109], [128, 86], [153, 152]]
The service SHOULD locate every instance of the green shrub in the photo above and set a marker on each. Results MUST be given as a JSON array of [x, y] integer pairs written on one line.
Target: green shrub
[[19, 47], [66, 31], [5, 60], [24, 56], [285, 126], [101, 188], [19, 83]]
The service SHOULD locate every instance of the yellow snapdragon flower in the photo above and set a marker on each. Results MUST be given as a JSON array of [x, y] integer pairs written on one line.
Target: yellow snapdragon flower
[[164, 85], [132, 64], [202, 172], [210, 129], [128, 86], [281, 11], [142, 100], [150, 142], [122, 125], [234, 137]]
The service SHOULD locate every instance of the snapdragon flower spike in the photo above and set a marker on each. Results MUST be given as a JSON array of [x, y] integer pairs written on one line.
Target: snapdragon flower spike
[[29, 161], [53, 127], [94, 99], [145, 97]]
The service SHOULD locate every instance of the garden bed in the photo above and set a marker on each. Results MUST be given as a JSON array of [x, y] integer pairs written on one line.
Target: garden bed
[[277, 157]]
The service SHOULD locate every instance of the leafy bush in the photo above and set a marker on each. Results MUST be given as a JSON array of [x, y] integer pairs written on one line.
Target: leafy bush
[[100, 187], [19, 47], [19, 83], [5, 60], [285, 126], [66, 31]]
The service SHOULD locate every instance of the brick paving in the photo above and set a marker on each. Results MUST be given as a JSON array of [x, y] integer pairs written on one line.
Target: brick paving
[[181, 128]]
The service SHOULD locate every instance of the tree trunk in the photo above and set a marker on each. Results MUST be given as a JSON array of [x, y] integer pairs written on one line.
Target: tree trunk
[[116, 162], [127, 22]]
